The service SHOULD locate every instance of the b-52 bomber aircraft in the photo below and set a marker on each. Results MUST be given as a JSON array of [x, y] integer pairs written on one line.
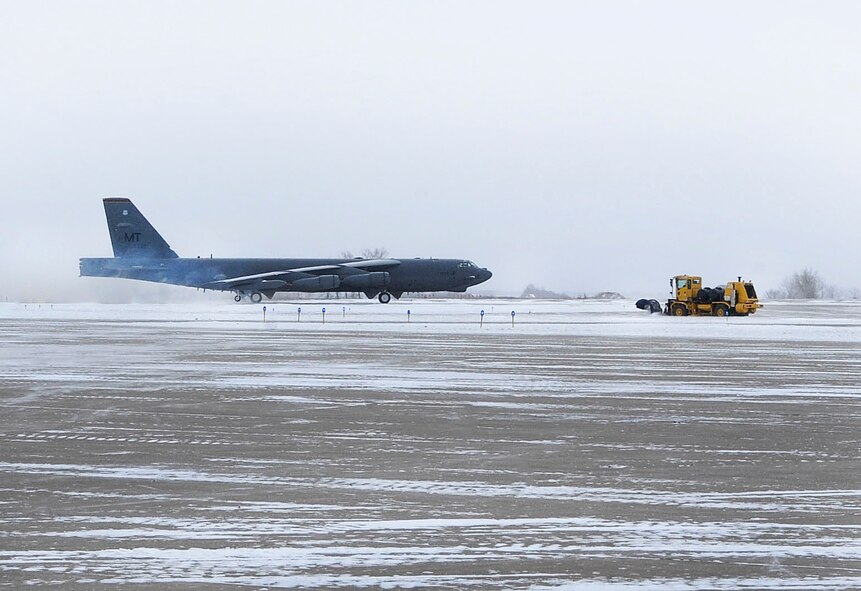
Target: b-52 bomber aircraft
[[141, 253]]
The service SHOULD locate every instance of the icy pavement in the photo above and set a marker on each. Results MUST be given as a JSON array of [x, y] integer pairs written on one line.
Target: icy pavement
[[588, 446]]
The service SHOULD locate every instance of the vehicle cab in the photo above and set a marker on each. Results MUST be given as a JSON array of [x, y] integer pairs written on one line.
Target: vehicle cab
[[686, 287]]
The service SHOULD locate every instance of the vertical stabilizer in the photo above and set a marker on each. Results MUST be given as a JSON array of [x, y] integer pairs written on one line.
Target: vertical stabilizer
[[132, 236]]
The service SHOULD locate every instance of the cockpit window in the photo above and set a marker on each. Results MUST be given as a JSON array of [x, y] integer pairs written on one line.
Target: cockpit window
[[465, 264]]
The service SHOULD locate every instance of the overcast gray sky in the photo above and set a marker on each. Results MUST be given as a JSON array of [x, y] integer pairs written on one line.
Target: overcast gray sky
[[582, 146]]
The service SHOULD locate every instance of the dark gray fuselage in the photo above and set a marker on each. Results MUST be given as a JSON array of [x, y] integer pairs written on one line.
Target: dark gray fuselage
[[408, 275]]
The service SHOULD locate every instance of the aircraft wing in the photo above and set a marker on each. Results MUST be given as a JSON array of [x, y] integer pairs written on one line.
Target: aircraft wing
[[278, 279]]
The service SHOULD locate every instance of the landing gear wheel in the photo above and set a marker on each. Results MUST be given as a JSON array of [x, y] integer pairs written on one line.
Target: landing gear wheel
[[721, 311], [679, 310], [256, 297], [237, 298], [384, 297]]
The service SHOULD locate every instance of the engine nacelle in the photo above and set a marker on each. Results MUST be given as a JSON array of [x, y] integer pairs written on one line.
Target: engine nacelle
[[269, 285], [362, 281], [321, 283]]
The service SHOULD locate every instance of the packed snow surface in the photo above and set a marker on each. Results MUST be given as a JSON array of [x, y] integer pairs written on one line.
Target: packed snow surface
[[572, 445]]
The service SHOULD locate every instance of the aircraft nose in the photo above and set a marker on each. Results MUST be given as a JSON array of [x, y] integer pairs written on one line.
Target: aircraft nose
[[484, 275]]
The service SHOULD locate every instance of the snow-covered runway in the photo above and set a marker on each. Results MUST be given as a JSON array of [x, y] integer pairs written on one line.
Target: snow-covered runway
[[586, 446]]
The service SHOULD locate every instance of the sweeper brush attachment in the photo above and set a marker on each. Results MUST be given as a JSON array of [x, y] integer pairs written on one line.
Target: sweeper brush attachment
[[653, 306]]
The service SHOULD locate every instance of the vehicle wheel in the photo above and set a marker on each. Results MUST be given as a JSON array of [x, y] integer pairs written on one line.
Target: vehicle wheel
[[721, 311], [256, 297], [237, 298], [679, 310], [384, 297]]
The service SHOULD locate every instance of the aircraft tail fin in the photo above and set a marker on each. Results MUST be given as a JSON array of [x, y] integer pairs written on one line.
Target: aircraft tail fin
[[132, 236]]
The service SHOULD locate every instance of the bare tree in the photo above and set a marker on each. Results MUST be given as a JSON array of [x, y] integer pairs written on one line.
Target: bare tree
[[375, 253], [346, 254], [806, 285]]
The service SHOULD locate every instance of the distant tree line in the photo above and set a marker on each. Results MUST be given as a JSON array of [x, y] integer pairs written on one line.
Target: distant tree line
[[368, 253], [534, 292], [802, 285]]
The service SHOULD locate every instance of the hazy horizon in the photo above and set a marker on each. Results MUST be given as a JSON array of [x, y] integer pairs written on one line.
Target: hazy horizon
[[582, 147]]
